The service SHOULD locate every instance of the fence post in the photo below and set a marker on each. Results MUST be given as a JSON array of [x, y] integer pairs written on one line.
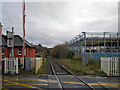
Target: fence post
[[7, 65], [16, 65], [108, 61], [35, 65], [115, 66], [4, 66]]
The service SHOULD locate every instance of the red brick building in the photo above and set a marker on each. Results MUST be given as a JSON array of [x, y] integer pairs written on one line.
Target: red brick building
[[0, 42], [18, 48]]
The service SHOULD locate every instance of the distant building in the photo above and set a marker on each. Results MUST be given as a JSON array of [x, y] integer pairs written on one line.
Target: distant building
[[95, 44]]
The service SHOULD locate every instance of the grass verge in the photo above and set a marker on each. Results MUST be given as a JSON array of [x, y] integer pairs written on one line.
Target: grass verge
[[43, 69], [93, 67]]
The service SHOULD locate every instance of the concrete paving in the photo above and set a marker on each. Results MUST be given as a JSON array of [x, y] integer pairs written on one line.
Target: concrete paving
[[50, 82]]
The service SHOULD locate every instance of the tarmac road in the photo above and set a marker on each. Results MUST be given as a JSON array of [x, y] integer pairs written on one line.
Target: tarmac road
[[50, 82]]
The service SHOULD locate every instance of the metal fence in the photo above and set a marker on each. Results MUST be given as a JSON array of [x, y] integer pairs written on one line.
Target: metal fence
[[33, 63], [97, 56], [11, 66], [110, 65], [29, 64]]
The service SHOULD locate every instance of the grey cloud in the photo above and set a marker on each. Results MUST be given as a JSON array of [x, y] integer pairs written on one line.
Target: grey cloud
[[50, 23], [12, 16]]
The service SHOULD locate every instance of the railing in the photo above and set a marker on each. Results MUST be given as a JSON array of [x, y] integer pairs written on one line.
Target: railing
[[11, 66], [110, 65]]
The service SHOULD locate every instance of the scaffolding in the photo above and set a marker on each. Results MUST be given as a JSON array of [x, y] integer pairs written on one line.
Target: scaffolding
[[95, 42]]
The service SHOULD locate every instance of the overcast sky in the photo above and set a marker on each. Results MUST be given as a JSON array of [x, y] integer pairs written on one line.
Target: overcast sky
[[51, 23]]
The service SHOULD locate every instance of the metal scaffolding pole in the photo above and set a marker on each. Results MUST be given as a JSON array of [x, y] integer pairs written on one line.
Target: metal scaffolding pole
[[104, 44], [111, 44], [98, 44], [117, 42], [92, 43], [85, 42]]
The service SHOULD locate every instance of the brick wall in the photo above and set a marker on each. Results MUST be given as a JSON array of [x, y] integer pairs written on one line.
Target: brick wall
[[30, 52]]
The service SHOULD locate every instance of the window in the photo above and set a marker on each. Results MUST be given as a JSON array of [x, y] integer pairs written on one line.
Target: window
[[3, 52], [19, 51]]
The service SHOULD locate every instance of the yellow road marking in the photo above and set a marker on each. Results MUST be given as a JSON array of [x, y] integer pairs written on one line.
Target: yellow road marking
[[112, 85], [74, 83], [3, 88], [104, 84], [21, 84], [25, 84], [41, 80], [93, 84], [53, 81]]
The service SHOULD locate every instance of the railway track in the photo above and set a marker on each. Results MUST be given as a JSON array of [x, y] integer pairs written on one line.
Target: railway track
[[59, 69]]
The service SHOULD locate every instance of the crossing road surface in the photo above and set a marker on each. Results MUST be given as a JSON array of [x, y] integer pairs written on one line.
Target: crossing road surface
[[50, 82]]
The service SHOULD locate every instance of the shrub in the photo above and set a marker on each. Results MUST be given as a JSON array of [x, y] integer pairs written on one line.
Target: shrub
[[70, 54]]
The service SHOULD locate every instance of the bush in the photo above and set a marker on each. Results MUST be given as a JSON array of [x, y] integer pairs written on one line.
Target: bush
[[61, 51], [70, 54], [91, 62]]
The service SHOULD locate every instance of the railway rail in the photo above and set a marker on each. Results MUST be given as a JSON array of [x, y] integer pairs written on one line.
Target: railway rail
[[59, 69]]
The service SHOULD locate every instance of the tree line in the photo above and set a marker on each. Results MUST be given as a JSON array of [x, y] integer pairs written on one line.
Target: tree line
[[61, 51]]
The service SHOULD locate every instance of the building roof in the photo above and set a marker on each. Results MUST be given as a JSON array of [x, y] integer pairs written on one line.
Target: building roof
[[18, 41]]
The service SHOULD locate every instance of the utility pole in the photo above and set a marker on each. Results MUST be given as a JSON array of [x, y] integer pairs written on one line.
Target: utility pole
[[23, 33], [12, 67]]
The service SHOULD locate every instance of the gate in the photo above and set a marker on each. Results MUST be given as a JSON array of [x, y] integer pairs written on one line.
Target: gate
[[11, 66], [28, 64], [110, 65]]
